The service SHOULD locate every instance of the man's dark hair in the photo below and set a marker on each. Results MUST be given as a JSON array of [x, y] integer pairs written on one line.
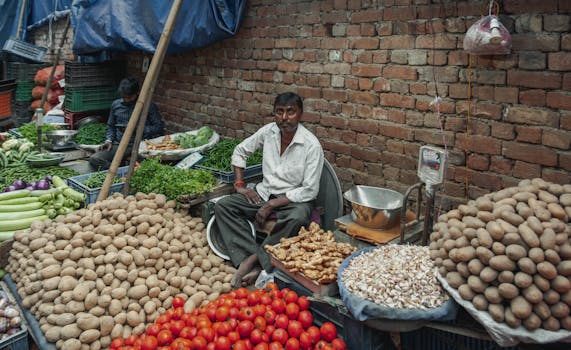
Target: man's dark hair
[[289, 99], [128, 87]]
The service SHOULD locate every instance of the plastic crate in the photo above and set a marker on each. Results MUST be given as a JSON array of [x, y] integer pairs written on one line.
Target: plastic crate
[[24, 91], [21, 112], [73, 117], [22, 71], [76, 183], [93, 74], [24, 49], [81, 99], [5, 104], [19, 340], [435, 339], [228, 176]]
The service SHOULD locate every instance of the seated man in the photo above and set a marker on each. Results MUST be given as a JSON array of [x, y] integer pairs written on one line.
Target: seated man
[[121, 110], [292, 164]]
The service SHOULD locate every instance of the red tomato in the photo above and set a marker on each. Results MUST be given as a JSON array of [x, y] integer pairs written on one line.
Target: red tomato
[[260, 323], [164, 318], [130, 340], [244, 328], [314, 334], [222, 313], [271, 286], [305, 318], [270, 316], [321, 345], [188, 332], [233, 323], [292, 311], [180, 344], [211, 312], [242, 293], [280, 335], [241, 303], [261, 346], [233, 336], [117, 343], [303, 302], [203, 322], [178, 302], [207, 333], [234, 312], [247, 313], [328, 331], [224, 328], [278, 305], [164, 337], [275, 346], [269, 330], [177, 313], [199, 343], [240, 345], [294, 328], [305, 341], [149, 342], [265, 299], [282, 321], [292, 344], [188, 319], [290, 297], [256, 336], [254, 298], [176, 327], [275, 294], [259, 309], [338, 344], [222, 343], [211, 346], [153, 329]]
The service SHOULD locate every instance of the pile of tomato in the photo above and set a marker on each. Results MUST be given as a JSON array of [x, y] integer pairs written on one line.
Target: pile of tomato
[[264, 319]]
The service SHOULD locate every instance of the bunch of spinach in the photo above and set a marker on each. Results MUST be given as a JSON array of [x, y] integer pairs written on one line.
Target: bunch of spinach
[[220, 156]]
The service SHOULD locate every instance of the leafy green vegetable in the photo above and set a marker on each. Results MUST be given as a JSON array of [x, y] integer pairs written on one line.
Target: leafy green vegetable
[[29, 131], [29, 174], [91, 134], [220, 156], [190, 141], [154, 177], [96, 180]]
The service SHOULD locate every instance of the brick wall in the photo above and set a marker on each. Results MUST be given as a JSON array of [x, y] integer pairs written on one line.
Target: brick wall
[[366, 70], [50, 38]]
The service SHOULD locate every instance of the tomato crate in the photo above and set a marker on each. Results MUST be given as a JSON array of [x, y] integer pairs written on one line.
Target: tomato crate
[[81, 99], [93, 74], [22, 71], [18, 340], [76, 182]]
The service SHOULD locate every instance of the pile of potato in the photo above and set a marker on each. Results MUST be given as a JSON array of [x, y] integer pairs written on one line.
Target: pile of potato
[[509, 253], [108, 270]]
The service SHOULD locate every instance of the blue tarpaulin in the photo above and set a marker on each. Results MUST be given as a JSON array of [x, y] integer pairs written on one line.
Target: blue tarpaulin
[[136, 25], [9, 15]]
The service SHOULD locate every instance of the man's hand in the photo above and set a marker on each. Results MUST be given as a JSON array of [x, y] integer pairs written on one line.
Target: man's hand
[[263, 214], [251, 195], [106, 146]]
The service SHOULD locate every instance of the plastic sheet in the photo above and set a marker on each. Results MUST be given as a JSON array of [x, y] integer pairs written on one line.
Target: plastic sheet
[[363, 309], [176, 154], [135, 25], [9, 19], [488, 36]]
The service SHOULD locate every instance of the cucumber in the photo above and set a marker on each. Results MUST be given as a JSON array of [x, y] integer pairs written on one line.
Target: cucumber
[[23, 200], [6, 235], [20, 207], [14, 194], [13, 225], [22, 215]]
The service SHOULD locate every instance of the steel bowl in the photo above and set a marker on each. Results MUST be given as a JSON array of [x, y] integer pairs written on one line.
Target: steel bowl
[[93, 119], [60, 137], [375, 207], [45, 159]]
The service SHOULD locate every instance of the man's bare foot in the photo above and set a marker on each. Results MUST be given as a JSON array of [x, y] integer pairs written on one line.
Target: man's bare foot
[[245, 267], [251, 277]]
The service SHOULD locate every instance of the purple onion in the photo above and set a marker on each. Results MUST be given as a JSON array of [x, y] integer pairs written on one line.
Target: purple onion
[[10, 188], [29, 188], [19, 184], [42, 185]]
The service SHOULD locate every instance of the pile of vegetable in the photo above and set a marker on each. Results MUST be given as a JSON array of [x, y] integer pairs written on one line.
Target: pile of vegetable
[[10, 318], [191, 141], [14, 152], [91, 134], [30, 174], [220, 156], [26, 203], [29, 131], [267, 318], [96, 180], [154, 177], [108, 270], [509, 254]]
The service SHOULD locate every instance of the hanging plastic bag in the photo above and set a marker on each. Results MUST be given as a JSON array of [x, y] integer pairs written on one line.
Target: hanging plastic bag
[[488, 36]]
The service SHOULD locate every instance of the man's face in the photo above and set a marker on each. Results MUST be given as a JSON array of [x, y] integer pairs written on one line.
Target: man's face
[[287, 117], [128, 99]]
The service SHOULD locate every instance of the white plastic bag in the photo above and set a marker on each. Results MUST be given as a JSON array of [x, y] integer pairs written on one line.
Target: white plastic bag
[[488, 36]]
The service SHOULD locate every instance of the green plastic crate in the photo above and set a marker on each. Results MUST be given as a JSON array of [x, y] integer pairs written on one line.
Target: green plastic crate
[[79, 99], [24, 91]]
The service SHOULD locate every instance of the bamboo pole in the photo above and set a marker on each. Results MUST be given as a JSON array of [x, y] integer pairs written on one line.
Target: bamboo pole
[[142, 104]]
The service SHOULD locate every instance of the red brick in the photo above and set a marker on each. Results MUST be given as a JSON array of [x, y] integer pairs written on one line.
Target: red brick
[[478, 162], [369, 155], [517, 6], [362, 125], [535, 42], [395, 146], [556, 138], [528, 134], [501, 165], [525, 170], [418, 88], [556, 176], [479, 144], [382, 85], [488, 111], [364, 111], [540, 80], [336, 122], [559, 61], [396, 42], [485, 180], [532, 97], [458, 58], [506, 94], [565, 121], [337, 148], [288, 66], [400, 72], [437, 41], [380, 57], [363, 97], [396, 131], [566, 82], [530, 153], [396, 116], [458, 90], [397, 100], [335, 95], [483, 92], [365, 84], [399, 161], [532, 116], [364, 43], [559, 100], [565, 160], [503, 131], [333, 43], [456, 124], [437, 58], [367, 16], [348, 136], [432, 137], [366, 70], [399, 13]]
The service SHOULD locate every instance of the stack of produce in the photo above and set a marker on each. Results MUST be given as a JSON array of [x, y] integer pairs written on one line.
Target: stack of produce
[[30, 131], [14, 152], [91, 134], [509, 254], [220, 156], [263, 319], [10, 318], [191, 141], [108, 270], [27, 174], [54, 91]]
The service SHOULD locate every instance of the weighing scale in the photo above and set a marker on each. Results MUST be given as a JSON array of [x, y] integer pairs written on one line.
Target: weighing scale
[[432, 162], [67, 146]]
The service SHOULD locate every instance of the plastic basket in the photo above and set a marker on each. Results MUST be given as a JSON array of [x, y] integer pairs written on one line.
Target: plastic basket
[[81, 99], [93, 74], [24, 91], [72, 118], [76, 182], [23, 71], [24, 49], [5, 104], [19, 340], [228, 176]]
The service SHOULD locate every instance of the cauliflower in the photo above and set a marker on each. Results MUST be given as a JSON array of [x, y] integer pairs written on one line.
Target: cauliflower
[[9, 144], [26, 146]]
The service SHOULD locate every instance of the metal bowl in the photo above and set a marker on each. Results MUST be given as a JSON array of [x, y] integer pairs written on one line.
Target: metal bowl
[[60, 137], [375, 207], [45, 159], [87, 120], [60, 126]]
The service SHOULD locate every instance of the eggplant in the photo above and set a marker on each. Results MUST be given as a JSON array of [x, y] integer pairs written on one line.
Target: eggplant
[[10, 188], [19, 184], [42, 185]]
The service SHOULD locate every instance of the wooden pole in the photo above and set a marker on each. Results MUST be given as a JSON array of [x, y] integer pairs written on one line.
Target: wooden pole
[[142, 104], [21, 19], [49, 83]]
